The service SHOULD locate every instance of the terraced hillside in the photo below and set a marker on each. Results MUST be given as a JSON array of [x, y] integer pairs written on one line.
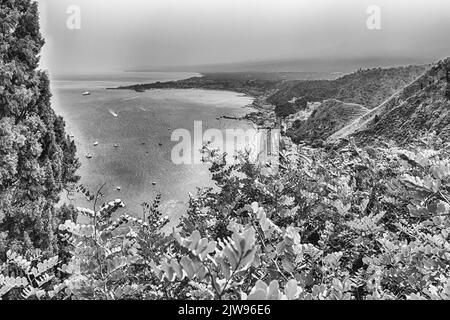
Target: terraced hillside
[[423, 105], [365, 87], [328, 118]]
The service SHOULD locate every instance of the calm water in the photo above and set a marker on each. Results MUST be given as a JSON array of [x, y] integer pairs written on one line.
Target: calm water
[[138, 123]]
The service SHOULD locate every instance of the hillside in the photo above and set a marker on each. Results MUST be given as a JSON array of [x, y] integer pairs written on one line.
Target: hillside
[[328, 118], [423, 105], [366, 87]]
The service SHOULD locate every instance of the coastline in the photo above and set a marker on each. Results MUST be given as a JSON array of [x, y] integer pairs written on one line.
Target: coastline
[[248, 86]]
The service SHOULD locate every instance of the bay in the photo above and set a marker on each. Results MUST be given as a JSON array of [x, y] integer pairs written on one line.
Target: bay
[[133, 131]]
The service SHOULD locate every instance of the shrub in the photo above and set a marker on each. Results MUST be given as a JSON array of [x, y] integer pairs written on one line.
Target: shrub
[[347, 223]]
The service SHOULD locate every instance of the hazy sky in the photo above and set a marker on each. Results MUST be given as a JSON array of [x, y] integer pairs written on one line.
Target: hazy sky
[[123, 34]]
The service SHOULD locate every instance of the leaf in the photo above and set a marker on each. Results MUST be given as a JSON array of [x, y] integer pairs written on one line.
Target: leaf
[[273, 292], [188, 267], [258, 295], [291, 289], [293, 234]]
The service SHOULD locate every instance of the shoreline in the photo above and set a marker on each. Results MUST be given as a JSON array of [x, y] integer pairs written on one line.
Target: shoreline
[[256, 89]]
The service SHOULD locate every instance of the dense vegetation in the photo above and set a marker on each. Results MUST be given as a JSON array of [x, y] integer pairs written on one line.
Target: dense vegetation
[[37, 160], [346, 223]]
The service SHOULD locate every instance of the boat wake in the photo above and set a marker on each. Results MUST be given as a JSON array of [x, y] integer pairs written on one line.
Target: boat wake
[[113, 113]]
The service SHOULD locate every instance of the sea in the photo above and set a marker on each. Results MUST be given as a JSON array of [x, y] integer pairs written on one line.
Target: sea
[[123, 137]]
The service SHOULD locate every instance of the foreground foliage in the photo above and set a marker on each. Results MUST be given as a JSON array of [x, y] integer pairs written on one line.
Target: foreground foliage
[[345, 223]]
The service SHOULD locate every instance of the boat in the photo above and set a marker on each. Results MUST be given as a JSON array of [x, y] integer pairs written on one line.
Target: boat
[[230, 118], [116, 146], [119, 188], [139, 90], [95, 143], [88, 156], [87, 93], [160, 144]]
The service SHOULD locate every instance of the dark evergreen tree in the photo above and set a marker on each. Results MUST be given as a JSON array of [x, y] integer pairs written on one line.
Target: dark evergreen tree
[[37, 159], [284, 110]]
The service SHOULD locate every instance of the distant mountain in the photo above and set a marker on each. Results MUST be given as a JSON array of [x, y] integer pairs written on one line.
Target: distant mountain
[[366, 87], [328, 118], [423, 105], [318, 68]]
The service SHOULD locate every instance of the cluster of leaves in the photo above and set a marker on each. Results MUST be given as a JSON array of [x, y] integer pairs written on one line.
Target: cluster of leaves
[[101, 258], [350, 223], [27, 277]]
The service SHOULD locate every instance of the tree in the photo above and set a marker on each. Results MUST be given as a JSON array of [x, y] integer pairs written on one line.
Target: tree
[[284, 110], [37, 158], [301, 103]]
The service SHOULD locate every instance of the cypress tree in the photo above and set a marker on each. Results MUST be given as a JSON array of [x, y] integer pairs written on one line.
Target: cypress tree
[[37, 158]]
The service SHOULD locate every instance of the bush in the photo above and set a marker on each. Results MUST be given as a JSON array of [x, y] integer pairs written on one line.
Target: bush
[[349, 223]]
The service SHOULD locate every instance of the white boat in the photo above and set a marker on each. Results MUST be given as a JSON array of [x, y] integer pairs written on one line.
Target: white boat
[[116, 146], [87, 93], [95, 143], [88, 155], [119, 188]]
